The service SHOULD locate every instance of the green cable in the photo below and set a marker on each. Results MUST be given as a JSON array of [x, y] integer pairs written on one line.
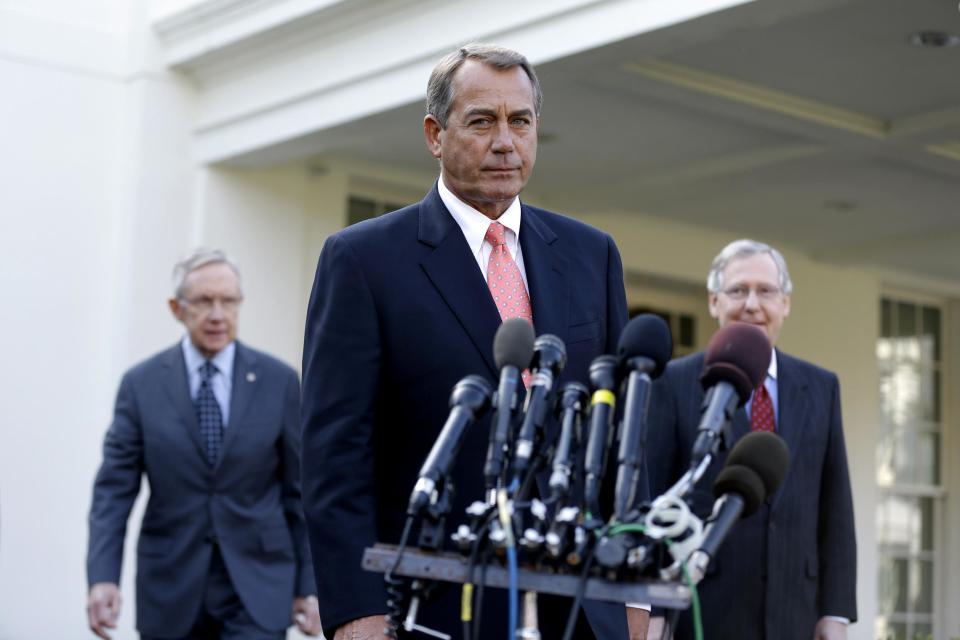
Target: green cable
[[694, 598], [695, 602]]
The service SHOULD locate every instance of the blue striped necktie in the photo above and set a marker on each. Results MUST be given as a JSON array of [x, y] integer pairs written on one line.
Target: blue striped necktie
[[208, 414]]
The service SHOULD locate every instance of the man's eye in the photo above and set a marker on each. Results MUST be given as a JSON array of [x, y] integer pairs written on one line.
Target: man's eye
[[479, 122], [521, 122]]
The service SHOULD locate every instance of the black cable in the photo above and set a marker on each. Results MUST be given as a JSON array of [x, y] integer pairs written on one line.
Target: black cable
[[581, 589], [394, 594], [471, 567], [669, 624]]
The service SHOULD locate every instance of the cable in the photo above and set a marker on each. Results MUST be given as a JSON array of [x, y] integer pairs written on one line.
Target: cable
[[507, 525], [695, 603], [466, 603], [578, 598], [395, 594]]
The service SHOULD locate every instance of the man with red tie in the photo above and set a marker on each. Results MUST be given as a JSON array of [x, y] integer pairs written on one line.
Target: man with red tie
[[788, 572], [405, 305]]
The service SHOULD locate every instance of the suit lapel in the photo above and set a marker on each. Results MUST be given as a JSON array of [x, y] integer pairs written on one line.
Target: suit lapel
[[242, 389], [453, 271], [177, 388], [546, 275], [793, 410]]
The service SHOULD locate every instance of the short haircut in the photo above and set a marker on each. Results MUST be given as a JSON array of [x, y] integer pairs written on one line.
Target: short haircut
[[200, 258], [745, 248], [440, 87]]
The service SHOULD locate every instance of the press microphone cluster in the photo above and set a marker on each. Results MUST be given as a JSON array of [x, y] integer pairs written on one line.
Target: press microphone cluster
[[568, 429]]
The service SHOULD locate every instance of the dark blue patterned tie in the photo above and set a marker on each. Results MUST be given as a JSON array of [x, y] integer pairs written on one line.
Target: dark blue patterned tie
[[208, 414]]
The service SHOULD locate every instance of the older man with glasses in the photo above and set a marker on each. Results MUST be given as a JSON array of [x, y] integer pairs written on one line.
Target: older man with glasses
[[214, 427], [788, 572]]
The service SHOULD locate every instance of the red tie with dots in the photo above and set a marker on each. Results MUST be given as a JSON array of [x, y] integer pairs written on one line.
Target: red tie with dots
[[761, 411], [506, 285]]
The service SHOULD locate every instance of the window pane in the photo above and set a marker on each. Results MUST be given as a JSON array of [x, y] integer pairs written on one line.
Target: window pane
[[921, 586], [359, 209], [926, 524], [906, 325], [886, 318], [892, 579], [926, 469], [922, 631], [931, 331]]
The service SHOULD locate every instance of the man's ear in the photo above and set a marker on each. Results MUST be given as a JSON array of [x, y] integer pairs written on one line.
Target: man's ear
[[712, 304], [432, 133], [176, 308]]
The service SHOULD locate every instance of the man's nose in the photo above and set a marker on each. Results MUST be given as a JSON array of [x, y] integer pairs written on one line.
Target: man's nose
[[502, 138], [753, 300]]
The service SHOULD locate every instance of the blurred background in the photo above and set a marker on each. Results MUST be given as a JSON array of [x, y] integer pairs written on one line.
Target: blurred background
[[134, 130]]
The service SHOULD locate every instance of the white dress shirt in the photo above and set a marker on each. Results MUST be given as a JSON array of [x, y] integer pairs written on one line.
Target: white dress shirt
[[474, 226]]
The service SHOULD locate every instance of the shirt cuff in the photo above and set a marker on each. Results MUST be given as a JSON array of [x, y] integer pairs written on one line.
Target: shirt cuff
[[838, 619], [637, 605]]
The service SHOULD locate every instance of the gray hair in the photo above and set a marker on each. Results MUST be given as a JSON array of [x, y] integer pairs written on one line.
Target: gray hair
[[440, 86], [199, 258], [745, 248]]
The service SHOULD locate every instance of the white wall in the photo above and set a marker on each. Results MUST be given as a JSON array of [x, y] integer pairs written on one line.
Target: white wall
[[97, 189]]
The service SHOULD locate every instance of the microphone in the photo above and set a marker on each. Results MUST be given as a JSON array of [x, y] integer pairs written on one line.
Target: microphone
[[469, 399], [512, 351], [753, 472], [737, 360], [549, 358], [644, 349], [603, 379], [573, 401]]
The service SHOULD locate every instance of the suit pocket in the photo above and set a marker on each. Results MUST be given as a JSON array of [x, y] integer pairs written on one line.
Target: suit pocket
[[584, 332], [276, 541], [813, 567], [153, 546]]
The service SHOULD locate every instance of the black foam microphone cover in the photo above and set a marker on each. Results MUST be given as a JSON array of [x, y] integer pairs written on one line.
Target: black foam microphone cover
[[648, 336], [743, 481], [766, 454], [513, 344], [738, 354]]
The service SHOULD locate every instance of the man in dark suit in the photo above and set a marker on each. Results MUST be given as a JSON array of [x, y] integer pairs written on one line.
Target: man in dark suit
[[214, 425], [789, 570], [405, 305]]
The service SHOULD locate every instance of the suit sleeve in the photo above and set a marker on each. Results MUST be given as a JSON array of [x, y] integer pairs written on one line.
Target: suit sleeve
[[290, 483], [340, 376], [115, 488], [836, 536]]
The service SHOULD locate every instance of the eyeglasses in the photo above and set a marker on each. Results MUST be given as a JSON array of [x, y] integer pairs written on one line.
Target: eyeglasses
[[741, 292], [205, 304]]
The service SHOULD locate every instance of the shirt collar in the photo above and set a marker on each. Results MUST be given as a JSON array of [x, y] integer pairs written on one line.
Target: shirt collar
[[474, 224], [772, 369], [222, 360]]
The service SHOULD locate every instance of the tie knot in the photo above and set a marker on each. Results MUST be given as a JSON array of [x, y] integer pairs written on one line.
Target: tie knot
[[207, 369], [496, 234]]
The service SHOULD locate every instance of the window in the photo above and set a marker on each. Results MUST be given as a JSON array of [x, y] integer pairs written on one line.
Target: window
[[911, 496]]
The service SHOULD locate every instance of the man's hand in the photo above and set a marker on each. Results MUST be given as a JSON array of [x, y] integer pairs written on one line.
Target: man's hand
[[369, 628], [828, 629], [306, 615], [103, 608], [637, 622]]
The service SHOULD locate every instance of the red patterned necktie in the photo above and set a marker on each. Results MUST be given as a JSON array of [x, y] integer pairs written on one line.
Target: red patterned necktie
[[503, 277], [505, 283], [761, 411]]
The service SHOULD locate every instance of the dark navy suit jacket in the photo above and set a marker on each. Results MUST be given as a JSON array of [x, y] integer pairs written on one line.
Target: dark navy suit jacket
[[795, 560], [248, 504], [399, 313]]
